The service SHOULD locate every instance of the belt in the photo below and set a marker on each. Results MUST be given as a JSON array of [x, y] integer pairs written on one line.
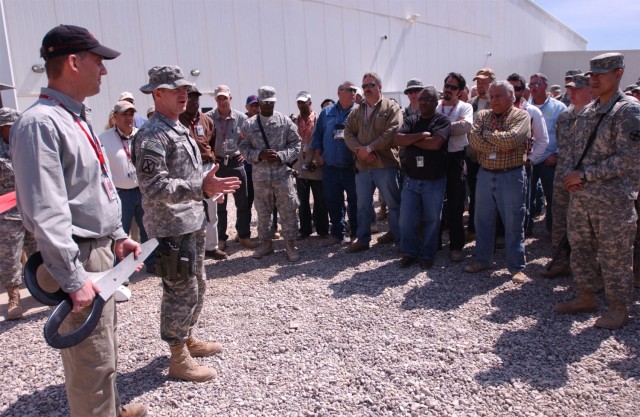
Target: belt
[[503, 170], [227, 157]]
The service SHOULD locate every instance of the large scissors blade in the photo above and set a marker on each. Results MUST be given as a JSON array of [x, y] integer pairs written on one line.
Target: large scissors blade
[[112, 279]]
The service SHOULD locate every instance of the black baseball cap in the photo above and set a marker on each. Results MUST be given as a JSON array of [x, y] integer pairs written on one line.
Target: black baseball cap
[[69, 39]]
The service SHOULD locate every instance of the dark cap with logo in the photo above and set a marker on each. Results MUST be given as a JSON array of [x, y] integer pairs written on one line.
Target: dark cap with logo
[[69, 39]]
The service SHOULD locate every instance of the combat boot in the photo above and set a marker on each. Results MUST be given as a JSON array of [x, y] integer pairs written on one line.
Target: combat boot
[[14, 310], [585, 302], [616, 317], [557, 270], [265, 248], [198, 348], [248, 243], [292, 251], [183, 366]]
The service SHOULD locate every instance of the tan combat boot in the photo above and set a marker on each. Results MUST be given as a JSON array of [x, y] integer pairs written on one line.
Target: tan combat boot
[[616, 317], [14, 311], [248, 243], [198, 348], [265, 248], [183, 366], [133, 410], [585, 302], [292, 251], [557, 270]]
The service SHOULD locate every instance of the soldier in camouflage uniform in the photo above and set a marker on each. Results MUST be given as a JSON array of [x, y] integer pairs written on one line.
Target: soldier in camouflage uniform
[[13, 235], [169, 170], [579, 95], [602, 215], [272, 177]]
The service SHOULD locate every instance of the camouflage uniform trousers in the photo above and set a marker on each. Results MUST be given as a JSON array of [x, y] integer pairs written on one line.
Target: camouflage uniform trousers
[[183, 297], [13, 237], [559, 223], [281, 194], [601, 234]]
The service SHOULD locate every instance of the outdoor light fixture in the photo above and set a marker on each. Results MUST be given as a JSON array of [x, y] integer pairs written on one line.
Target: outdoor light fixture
[[37, 68], [195, 72], [413, 18]]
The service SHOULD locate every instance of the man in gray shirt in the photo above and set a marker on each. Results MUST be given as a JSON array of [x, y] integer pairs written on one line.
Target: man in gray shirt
[[67, 199]]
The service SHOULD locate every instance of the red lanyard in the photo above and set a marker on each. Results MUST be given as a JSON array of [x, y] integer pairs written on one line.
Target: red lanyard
[[450, 111], [91, 138], [124, 145]]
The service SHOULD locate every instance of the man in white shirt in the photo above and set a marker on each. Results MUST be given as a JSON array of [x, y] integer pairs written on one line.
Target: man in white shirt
[[117, 147]]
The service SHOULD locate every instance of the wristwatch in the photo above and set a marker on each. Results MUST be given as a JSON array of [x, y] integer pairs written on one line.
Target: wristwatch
[[369, 150]]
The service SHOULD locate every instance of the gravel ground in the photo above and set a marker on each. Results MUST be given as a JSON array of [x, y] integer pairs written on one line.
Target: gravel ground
[[353, 335]]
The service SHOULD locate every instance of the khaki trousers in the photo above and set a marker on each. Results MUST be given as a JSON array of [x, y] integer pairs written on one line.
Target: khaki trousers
[[90, 366]]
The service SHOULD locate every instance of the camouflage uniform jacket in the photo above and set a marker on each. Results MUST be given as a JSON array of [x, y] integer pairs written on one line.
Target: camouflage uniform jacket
[[565, 130], [610, 168], [282, 136], [169, 169], [7, 180]]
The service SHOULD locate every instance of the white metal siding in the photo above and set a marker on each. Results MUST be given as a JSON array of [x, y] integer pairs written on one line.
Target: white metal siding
[[292, 45]]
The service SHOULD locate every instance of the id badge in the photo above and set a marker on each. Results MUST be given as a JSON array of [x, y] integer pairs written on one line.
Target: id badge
[[493, 155], [229, 145], [199, 130], [133, 175], [420, 161], [338, 132], [109, 188]]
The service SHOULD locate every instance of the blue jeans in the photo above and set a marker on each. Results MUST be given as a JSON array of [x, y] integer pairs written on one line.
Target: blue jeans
[[336, 181], [545, 174], [386, 180], [421, 202], [131, 202], [502, 193]]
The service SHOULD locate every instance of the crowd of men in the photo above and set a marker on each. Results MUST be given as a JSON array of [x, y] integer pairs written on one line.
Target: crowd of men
[[490, 146]]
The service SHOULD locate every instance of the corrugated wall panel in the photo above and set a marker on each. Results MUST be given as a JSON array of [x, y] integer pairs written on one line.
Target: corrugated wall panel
[[290, 44]]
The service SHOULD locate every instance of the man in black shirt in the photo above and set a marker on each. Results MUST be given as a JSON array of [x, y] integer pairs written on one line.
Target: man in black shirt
[[423, 161]]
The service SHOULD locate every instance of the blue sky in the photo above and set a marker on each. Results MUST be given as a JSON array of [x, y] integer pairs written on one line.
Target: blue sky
[[606, 24]]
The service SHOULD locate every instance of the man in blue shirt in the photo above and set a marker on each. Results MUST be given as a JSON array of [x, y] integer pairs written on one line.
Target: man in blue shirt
[[544, 167], [332, 153]]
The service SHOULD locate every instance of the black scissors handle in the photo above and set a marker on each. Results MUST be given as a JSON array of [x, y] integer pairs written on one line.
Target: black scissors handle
[[64, 305]]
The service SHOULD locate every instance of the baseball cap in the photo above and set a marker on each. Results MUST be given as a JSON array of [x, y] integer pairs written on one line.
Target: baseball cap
[[69, 39], [604, 63], [252, 99], [484, 73], [165, 76], [8, 116], [414, 84], [555, 87], [267, 93], [578, 81], [125, 95], [636, 88], [151, 109], [122, 106], [222, 90], [194, 90], [303, 96]]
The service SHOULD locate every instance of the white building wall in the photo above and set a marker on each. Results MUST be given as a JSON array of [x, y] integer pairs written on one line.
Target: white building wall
[[292, 45]]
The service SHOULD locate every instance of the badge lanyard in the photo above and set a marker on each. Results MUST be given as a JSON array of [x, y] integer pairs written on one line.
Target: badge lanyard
[[95, 144], [125, 141]]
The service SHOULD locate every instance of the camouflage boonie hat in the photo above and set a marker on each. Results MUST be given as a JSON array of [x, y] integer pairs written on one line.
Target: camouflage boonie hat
[[8, 116], [578, 81], [605, 63], [267, 93], [414, 84], [165, 76]]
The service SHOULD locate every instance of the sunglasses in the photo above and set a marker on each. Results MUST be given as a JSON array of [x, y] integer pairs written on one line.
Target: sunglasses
[[518, 87], [351, 90], [267, 103], [535, 84], [451, 87], [370, 85]]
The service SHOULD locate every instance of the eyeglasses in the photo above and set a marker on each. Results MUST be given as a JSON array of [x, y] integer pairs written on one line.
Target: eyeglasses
[[351, 90], [451, 87], [369, 85], [267, 103], [535, 84], [518, 87]]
